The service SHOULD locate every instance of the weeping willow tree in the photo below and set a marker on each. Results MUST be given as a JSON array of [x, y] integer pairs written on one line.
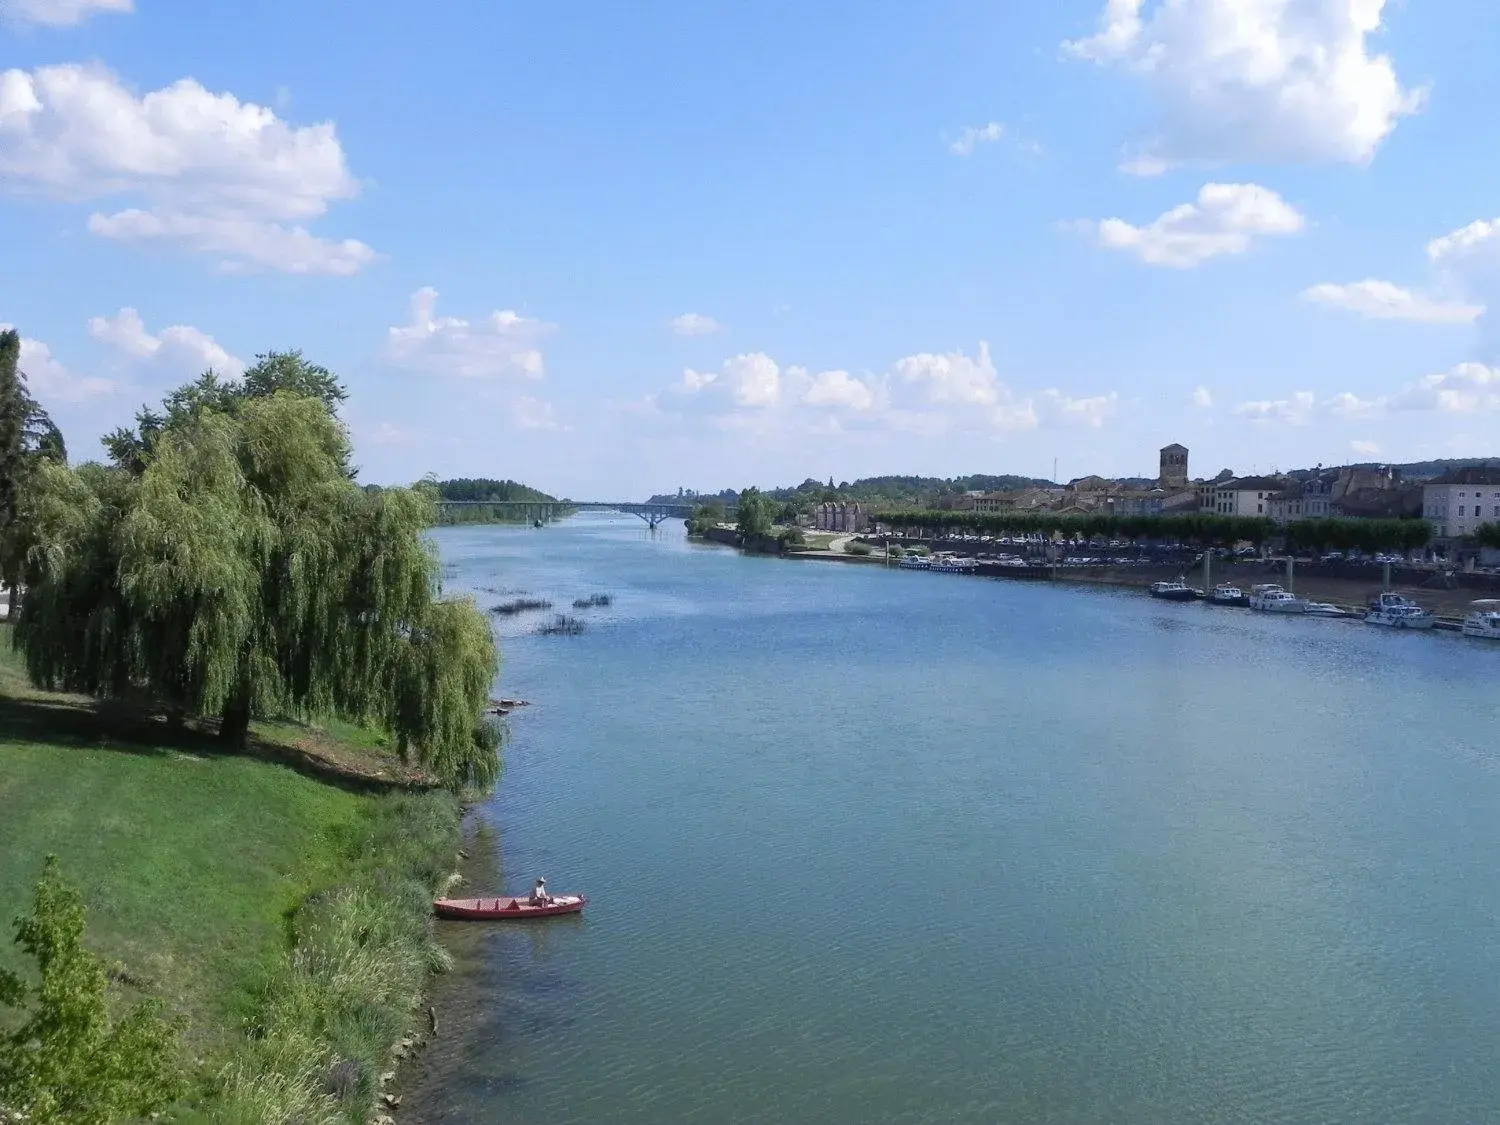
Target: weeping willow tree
[[234, 570]]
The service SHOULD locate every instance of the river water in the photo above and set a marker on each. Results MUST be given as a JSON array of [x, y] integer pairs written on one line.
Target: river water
[[869, 846]]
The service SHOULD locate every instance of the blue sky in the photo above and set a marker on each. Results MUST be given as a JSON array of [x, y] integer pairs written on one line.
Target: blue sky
[[614, 249]]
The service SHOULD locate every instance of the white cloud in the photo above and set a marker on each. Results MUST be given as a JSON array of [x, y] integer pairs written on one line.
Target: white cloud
[[930, 393], [1265, 81], [839, 388], [1381, 300], [1203, 398], [180, 348], [973, 136], [952, 377], [1226, 219], [1296, 411], [1348, 405], [694, 324], [1364, 448], [243, 245], [59, 13], [1480, 238], [504, 343], [1464, 389], [1064, 410], [533, 414], [50, 382], [217, 175]]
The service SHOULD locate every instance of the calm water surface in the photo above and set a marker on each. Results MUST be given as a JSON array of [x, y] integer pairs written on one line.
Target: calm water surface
[[869, 846]]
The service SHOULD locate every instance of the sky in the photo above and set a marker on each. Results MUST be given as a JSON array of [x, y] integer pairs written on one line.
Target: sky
[[612, 250]]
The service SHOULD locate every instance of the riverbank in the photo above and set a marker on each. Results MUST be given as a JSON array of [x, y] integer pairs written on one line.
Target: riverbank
[[277, 901]]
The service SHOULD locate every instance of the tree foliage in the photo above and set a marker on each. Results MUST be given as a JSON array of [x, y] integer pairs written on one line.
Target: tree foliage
[[67, 1062], [1203, 528], [1487, 535], [28, 439], [133, 449], [240, 572], [757, 513]]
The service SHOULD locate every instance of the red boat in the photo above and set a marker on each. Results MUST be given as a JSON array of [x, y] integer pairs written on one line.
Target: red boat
[[505, 909]]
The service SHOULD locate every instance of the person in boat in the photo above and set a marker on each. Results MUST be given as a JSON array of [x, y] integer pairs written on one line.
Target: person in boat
[[539, 895]]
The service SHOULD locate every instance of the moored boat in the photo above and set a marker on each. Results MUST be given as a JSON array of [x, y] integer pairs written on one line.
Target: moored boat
[[916, 562], [1324, 609], [1273, 599], [506, 908], [1226, 593], [954, 564], [1176, 590], [1483, 619]]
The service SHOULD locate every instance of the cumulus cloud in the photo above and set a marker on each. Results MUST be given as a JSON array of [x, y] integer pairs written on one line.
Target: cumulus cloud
[[928, 393], [59, 13], [839, 388], [1225, 219], [50, 382], [973, 136], [1264, 81], [504, 343], [1203, 398], [180, 348], [694, 324], [1382, 300], [1480, 239], [216, 175], [1296, 410], [752, 380], [1464, 389]]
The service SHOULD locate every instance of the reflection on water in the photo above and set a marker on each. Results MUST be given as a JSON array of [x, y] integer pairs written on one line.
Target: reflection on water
[[864, 845]]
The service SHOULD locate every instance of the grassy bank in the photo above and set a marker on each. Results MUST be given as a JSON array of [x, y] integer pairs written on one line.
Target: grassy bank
[[277, 901]]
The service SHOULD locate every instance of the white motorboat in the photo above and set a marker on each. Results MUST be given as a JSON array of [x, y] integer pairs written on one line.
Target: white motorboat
[[1483, 619], [1271, 598], [916, 562], [1396, 612], [1325, 609], [1226, 593]]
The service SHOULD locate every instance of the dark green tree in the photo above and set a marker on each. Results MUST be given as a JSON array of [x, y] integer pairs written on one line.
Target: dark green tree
[[27, 438], [66, 1062], [756, 514], [242, 573]]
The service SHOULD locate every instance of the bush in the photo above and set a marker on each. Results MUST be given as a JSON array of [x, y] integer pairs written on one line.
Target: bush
[[894, 551], [66, 1062], [352, 983], [919, 551], [792, 537], [860, 549]]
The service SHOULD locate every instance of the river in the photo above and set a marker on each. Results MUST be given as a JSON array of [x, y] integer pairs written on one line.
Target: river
[[871, 846]]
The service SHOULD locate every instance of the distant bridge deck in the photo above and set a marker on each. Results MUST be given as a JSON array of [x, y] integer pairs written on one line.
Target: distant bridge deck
[[653, 514]]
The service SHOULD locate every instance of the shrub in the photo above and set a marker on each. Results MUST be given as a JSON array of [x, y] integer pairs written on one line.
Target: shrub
[[67, 1062], [792, 537], [860, 549]]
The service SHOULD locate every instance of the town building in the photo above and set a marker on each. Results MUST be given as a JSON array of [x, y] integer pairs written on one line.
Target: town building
[[1173, 474], [1244, 496], [829, 516], [1457, 502]]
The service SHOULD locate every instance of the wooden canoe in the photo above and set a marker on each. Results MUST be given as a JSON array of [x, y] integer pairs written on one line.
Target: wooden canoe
[[505, 909]]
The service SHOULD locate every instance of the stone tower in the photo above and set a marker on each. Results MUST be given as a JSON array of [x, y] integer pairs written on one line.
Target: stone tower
[[1174, 469]]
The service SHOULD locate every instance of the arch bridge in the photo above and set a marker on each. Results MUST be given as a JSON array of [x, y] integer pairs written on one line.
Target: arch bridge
[[547, 510]]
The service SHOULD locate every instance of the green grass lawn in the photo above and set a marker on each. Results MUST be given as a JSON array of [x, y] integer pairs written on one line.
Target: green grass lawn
[[190, 861]]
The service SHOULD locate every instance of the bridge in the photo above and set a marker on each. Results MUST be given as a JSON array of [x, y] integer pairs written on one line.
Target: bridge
[[547, 510]]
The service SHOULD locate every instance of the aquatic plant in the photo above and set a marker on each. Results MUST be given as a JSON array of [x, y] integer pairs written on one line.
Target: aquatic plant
[[561, 626], [593, 601], [519, 605]]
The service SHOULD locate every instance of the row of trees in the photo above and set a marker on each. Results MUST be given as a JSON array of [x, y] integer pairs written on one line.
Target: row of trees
[[225, 564], [28, 439], [1200, 528]]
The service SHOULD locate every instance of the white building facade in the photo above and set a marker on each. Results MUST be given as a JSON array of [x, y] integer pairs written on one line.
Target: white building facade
[[1457, 502]]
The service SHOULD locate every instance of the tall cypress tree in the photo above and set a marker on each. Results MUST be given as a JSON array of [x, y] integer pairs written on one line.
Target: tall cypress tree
[[27, 435]]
